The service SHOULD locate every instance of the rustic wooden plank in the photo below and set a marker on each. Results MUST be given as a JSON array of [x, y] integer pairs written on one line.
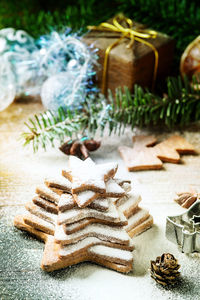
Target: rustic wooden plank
[[21, 171]]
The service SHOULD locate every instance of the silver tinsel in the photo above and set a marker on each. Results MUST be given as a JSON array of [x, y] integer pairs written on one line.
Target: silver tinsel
[[59, 66]]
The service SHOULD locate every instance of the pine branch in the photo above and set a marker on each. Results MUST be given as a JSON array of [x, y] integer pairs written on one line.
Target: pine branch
[[180, 106], [45, 128]]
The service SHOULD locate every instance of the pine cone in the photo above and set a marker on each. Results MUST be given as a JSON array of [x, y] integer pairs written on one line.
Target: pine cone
[[165, 269], [186, 199]]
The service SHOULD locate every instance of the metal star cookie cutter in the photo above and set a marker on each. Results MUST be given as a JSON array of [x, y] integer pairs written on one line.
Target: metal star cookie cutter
[[184, 229]]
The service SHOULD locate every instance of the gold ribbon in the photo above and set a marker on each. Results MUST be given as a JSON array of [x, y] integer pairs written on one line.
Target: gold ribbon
[[134, 34]]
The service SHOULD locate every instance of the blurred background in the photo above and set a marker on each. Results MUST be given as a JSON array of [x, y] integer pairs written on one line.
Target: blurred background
[[179, 19]]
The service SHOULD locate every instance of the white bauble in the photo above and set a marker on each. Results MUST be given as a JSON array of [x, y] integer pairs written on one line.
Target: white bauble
[[7, 85], [61, 90]]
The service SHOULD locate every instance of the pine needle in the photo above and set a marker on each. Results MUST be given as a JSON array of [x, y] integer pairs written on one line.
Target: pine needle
[[179, 107]]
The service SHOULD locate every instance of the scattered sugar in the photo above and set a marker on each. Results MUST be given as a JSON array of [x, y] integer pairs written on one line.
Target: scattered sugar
[[113, 188], [141, 215], [42, 213], [74, 248], [59, 182], [122, 200], [131, 203], [108, 252], [66, 200], [89, 281], [40, 221], [85, 196], [143, 225], [43, 191], [77, 214], [86, 221], [85, 173], [113, 234]]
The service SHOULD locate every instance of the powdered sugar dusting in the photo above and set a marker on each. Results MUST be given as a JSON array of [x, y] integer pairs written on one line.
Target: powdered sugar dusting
[[85, 197], [108, 252], [112, 188], [101, 203], [87, 281], [43, 191], [59, 182], [135, 219], [131, 201], [66, 201], [39, 221], [77, 214], [104, 232], [41, 213], [86, 175], [86, 221]]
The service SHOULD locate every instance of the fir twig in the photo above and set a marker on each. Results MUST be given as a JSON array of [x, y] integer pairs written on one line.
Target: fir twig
[[180, 106]]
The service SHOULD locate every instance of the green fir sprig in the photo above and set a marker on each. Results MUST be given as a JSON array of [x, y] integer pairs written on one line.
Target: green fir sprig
[[180, 106]]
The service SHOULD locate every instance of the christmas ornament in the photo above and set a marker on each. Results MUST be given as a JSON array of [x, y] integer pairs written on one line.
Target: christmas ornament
[[190, 60], [58, 91], [17, 66], [184, 229], [165, 269], [70, 64], [60, 59], [80, 148], [7, 85], [186, 199]]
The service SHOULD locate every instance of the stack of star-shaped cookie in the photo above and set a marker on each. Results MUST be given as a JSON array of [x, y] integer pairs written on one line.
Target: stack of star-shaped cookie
[[85, 215]]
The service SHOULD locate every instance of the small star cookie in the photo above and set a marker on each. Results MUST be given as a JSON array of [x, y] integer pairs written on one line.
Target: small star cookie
[[86, 175]]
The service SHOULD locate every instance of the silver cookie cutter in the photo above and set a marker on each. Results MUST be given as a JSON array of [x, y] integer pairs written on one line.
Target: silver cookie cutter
[[184, 229]]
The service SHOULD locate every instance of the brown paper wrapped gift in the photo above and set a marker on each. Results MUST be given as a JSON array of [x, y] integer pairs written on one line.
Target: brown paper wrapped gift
[[127, 66]]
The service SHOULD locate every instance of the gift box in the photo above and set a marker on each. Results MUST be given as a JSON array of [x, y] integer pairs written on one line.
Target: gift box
[[131, 59]]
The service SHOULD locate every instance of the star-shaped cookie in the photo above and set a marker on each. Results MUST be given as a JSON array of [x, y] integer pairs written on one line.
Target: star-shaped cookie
[[145, 156], [86, 175]]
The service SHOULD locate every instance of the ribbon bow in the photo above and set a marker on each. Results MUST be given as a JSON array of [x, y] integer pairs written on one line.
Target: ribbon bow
[[130, 32]]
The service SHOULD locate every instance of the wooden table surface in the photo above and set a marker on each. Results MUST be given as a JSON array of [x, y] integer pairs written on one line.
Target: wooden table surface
[[20, 255]]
